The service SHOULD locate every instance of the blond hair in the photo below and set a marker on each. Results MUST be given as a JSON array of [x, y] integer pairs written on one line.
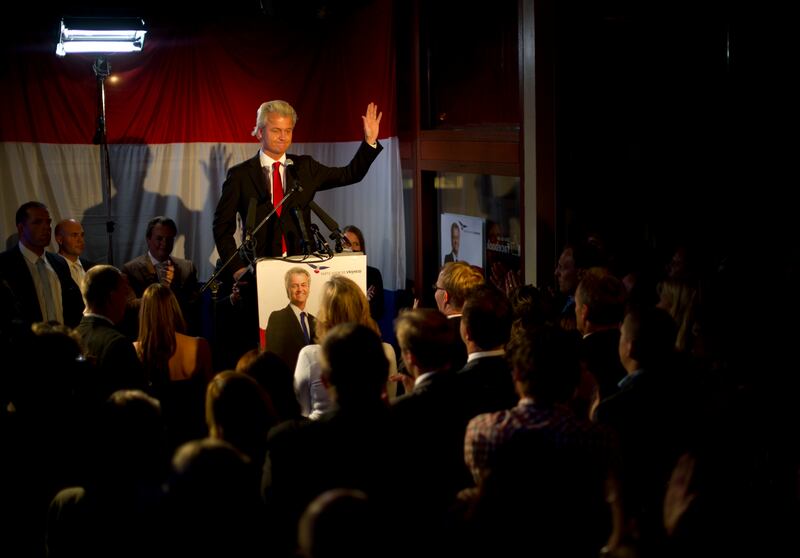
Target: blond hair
[[458, 279], [279, 107], [343, 301]]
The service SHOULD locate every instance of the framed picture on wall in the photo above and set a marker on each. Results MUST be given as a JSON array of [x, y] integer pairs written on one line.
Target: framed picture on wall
[[461, 239]]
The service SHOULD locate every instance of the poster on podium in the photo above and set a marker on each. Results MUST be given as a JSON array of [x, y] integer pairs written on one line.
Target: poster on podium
[[272, 276]]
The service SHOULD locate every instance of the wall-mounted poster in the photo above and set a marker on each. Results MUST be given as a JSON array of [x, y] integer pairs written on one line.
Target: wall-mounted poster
[[461, 239]]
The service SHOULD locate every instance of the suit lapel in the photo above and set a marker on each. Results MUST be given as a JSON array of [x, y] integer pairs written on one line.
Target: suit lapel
[[259, 180]]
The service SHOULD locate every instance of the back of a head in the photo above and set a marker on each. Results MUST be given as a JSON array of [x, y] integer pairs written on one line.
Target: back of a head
[[160, 310], [343, 301], [132, 436], [339, 523], [272, 374], [651, 332], [604, 295], [587, 255], [98, 284], [47, 381], [354, 363], [530, 305], [212, 502], [160, 318], [239, 411], [458, 279], [487, 316], [545, 363], [427, 335]]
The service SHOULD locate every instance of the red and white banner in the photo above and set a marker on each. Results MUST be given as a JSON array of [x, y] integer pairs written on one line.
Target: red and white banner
[[181, 112]]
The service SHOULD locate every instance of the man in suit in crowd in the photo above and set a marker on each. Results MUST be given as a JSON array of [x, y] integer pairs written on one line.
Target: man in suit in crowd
[[69, 237], [105, 291], [37, 283], [429, 425], [485, 383], [455, 243], [455, 281], [292, 328], [599, 309], [265, 180], [160, 266]]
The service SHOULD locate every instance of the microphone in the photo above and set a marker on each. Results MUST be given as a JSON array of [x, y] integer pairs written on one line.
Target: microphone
[[333, 226], [295, 182], [301, 224], [322, 244]]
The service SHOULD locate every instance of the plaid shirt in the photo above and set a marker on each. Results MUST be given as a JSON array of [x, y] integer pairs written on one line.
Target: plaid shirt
[[488, 432]]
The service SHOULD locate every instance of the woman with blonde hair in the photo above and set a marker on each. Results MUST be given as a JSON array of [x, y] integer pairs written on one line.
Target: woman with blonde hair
[[343, 301]]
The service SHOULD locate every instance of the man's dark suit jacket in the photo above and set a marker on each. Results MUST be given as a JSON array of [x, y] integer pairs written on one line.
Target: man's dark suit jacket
[[16, 276], [285, 336], [247, 181], [115, 360], [141, 274], [449, 258], [430, 434], [599, 351], [485, 385], [457, 350]]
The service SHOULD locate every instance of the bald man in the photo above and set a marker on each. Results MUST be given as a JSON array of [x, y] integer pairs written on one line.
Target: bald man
[[69, 237]]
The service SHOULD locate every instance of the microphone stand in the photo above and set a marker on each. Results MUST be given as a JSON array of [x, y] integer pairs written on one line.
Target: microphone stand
[[322, 244], [336, 234], [248, 243]]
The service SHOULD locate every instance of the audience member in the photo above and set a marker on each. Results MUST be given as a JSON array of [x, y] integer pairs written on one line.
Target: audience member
[[349, 446], [455, 281], [342, 301], [105, 291], [272, 374], [212, 508], [599, 309], [651, 415], [116, 510], [177, 367], [69, 237], [430, 424], [574, 260], [340, 523], [484, 383], [540, 452], [239, 411], [374, 277], [159, 266], [37, 282]]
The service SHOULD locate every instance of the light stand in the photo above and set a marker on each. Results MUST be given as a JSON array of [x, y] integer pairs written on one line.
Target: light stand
[[102, 36], [102, 69]]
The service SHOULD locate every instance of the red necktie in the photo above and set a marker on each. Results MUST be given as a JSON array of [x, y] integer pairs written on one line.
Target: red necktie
[[277, 195]]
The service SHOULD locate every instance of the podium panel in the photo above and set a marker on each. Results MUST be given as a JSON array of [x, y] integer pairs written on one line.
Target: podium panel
[[271, 280]]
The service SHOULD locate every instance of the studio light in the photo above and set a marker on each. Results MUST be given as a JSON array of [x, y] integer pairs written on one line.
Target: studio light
[[100, 35]]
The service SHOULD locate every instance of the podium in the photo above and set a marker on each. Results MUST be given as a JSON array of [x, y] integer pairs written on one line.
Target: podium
[[271, 282]]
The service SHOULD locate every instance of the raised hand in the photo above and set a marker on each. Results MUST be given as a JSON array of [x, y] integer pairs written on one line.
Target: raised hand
[[372, 123]]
